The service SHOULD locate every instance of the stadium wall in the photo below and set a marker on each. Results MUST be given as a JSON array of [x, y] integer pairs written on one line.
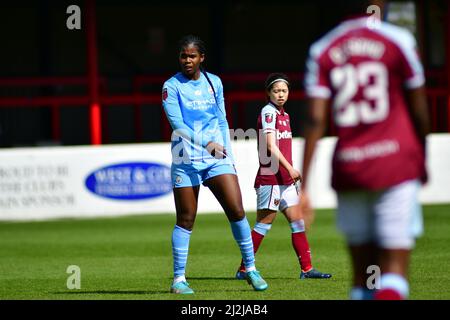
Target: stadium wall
[[114, 180]]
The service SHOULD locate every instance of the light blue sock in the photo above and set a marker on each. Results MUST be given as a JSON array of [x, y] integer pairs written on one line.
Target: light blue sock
[[242, 234], [361, 293], [262, 228], [180, 247], [297, 226]]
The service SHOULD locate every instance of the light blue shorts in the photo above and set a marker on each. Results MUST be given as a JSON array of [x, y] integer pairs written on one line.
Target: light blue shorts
[[187, 176]]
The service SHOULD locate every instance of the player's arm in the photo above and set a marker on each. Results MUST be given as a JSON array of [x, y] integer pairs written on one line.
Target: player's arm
[[318, 89], [314, 129], [413, 76], [173, 112], [278, 156], [419, 111], [414, 82], [223, 123]]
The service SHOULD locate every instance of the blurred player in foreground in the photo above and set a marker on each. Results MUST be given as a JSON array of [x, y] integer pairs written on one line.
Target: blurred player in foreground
[[277, 181], [370, 72], [201, 153]]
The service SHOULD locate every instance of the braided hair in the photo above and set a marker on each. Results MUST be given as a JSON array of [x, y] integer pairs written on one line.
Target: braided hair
[[190, 39]]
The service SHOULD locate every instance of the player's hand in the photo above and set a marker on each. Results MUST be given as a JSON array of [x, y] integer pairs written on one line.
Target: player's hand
[[216, 150], [295, 175], [307, 209]]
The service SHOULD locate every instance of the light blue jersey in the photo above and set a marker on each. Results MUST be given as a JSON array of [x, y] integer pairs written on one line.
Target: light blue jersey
[[196, 117]]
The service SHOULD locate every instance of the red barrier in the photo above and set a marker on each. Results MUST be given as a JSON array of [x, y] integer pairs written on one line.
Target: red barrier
[[137, 99]]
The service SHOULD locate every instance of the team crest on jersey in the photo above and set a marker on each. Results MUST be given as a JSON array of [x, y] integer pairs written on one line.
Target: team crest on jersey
[[210, 90], [268, 117], [276, 202], [164, 94], [178, 180]]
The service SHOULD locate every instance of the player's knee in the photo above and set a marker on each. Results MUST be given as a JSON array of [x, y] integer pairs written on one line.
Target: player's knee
[[235, 214], [186, 222]]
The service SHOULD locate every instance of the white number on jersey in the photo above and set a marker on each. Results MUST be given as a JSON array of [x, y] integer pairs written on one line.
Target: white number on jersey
[[347, 80]]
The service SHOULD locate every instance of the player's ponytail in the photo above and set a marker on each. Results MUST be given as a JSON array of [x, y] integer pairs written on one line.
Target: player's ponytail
[[202, 70], [197, 42]]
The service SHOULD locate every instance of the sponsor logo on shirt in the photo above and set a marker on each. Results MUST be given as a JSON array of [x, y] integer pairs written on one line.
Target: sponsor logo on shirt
[[198, 92], [268, 117], [200, 104], [373, 150], [284, 135]]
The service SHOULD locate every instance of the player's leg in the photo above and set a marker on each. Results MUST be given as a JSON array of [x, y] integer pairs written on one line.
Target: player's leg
[[363, 256], [225, 188], [267, 202], [264, 220], [398, 222], [355, 220], [394, 270], [288, 206], [185, 193], [186, 209]]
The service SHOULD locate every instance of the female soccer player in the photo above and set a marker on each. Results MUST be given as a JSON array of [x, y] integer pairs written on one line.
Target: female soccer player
[[276, 180], [380, 111], [201, 153]]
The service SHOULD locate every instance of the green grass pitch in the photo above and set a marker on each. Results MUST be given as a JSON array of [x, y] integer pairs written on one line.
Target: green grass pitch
[[130, 258]]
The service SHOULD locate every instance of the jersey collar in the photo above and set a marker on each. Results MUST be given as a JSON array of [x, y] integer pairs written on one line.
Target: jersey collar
[[279, 111]]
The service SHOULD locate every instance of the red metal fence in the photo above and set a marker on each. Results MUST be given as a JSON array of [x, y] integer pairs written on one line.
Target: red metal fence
[[438, 99], [238, 93]]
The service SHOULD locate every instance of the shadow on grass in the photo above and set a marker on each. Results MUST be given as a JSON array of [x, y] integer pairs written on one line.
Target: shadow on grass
[[232, 278], [157, 292], [75, 292], [136, 292]]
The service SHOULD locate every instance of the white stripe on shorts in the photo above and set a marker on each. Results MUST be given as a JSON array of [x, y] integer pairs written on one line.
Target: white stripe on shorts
[[276, 197]]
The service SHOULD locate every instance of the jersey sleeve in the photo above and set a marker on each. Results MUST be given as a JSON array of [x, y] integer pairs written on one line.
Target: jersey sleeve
[[174, 114], [317, 84], [223, 123], [268, 119], [412, 68]]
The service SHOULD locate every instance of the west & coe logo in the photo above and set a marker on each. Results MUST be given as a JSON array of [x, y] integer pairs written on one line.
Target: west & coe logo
[[130, 181]]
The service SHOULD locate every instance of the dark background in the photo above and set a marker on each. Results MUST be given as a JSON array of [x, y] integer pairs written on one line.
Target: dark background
[[138, 37]]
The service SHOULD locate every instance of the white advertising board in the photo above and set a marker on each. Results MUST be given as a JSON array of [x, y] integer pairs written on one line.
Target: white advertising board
[[112, 180]]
